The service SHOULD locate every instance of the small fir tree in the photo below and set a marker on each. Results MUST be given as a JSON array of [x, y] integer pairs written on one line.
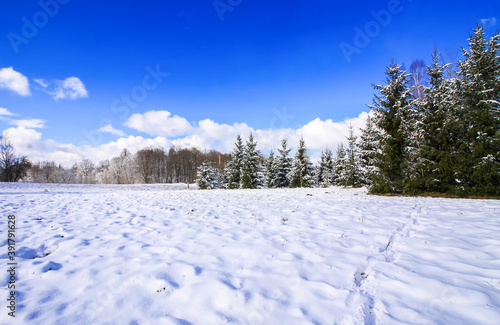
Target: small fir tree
[[302, 172], [270, 172], [235, 165], [282, 166], [250, 172], [207, 176], [325, 170]]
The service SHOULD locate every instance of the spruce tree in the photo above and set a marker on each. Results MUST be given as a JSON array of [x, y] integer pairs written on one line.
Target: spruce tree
[[393, 107], [301, 174], [282, 166], [368, 151], [353, 169], [440, 131], [207, 176], [270, 172], [250, 172], [325, 170], [340, 167], [479, 93], [235, 165]]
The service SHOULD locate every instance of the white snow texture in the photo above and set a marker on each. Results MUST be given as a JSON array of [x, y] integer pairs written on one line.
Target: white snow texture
[[157, 254]]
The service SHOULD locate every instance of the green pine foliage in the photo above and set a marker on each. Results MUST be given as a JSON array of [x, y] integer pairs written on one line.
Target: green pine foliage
[[250, 170], [325, 170], [207, 176], [282, 166], [392, 105], [234, 167], [353, 161], [270, 171], [340, 167], [368, 151], [302, 172]]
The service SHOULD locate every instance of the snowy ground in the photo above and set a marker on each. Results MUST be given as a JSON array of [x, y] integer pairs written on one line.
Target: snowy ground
[[152, 255]]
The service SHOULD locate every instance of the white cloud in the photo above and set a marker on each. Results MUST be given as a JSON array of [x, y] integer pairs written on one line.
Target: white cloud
[[489, 22], [15, 81], [69, 88], [25, 141], [109, 129], [30, 123], [5, 112], [159, 123]]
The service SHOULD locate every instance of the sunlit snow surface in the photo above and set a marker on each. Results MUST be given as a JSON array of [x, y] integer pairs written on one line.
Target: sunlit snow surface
[[158, 254]]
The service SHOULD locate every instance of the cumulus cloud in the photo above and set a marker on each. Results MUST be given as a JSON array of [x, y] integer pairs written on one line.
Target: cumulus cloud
[[69, 88], [26, 141], [29, 123], [109, 129], [15, 81], [160, 123]]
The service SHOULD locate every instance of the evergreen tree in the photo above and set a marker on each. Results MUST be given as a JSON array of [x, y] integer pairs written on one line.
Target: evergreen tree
[[325, 170], [368, 151], [393, 108], [352, 168], [301, 174], [282, 166], [250, 172], [207, 176], [235, 165], [479, 94], [270, 172], [440, 131], [340, 167]]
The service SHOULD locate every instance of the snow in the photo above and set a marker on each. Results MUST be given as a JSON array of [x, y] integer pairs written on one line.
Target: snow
[[153, 254]]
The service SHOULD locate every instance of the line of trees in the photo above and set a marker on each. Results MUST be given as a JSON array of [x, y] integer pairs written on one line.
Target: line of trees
[[248, 169]]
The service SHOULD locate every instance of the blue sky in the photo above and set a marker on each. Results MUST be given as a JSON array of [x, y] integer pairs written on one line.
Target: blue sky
[[85, 78]]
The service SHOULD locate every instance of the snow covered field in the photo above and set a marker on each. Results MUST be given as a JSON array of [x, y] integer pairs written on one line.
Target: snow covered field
[[139, 254]]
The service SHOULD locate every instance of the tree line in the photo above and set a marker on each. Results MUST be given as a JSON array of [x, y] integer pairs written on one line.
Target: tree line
[[148, 165], [248, 169]]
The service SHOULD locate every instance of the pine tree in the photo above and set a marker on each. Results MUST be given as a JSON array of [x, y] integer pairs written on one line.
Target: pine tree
[[393, 107], [325, 170], [250, 172], [235, 165], [301, 174], [207, 176], [353, 169], [282, 166], [368, 151], [340, 167], [270, 172], [440, 123], [479, 93]]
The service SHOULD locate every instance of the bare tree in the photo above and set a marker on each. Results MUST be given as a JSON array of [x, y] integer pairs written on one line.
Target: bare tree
[[150, 165], [417, 80], [85, 171], [12, 168]]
